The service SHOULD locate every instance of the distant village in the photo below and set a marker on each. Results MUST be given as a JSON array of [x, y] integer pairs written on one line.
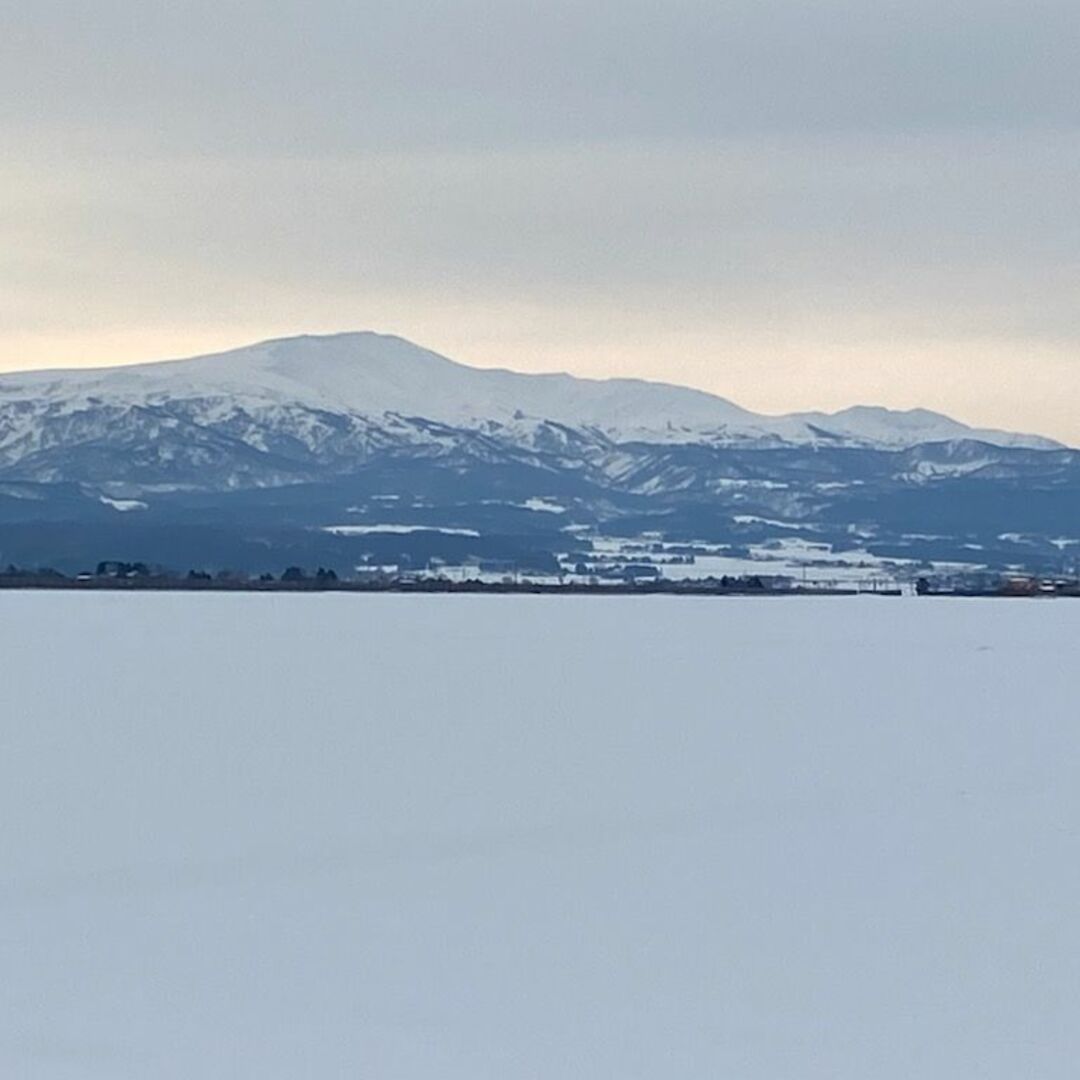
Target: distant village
[[486, 577]]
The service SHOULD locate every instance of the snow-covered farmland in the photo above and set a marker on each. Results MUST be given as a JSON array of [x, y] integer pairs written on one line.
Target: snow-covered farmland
[[492, 838]]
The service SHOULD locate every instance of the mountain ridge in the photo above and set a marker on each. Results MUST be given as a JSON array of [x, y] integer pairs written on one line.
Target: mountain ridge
[[368, 374]]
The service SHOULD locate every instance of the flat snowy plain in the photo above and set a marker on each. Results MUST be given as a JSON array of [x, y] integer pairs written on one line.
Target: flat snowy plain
[[492, 838]]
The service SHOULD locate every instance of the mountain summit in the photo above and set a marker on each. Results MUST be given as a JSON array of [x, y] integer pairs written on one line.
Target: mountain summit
[[375, 376]]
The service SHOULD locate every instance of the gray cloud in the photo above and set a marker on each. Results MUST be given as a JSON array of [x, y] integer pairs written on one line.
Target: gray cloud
[[334, 75]]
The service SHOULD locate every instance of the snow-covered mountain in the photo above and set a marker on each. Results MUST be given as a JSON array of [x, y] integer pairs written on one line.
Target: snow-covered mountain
[[339, 449], [378, 387]]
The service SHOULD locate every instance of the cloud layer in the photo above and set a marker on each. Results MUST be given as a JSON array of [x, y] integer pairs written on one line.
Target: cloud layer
[[793, 204]]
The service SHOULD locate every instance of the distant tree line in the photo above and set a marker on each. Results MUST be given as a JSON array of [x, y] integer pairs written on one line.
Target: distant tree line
[[118, 568]]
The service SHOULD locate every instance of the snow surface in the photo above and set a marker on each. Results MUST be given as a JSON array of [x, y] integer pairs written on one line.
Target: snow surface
[[375, 375], [476, 838], [543, 506], [364, 530], [123, 505], [816, 564]]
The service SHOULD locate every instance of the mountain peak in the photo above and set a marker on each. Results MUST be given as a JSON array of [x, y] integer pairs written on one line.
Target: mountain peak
[[371, 374]]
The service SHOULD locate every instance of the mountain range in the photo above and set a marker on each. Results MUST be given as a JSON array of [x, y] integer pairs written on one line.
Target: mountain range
[[358, 447]]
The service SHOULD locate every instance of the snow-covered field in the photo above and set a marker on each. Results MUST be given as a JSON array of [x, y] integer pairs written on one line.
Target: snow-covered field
[[498, 838]]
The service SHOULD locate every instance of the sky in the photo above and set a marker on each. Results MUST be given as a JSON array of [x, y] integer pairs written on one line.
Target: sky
[[791, 203]]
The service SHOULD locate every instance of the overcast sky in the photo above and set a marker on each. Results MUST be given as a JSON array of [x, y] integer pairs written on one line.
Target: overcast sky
[[794, 204]]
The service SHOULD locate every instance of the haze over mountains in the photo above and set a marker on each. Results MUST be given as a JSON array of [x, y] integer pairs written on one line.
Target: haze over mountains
[[260, 451]]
